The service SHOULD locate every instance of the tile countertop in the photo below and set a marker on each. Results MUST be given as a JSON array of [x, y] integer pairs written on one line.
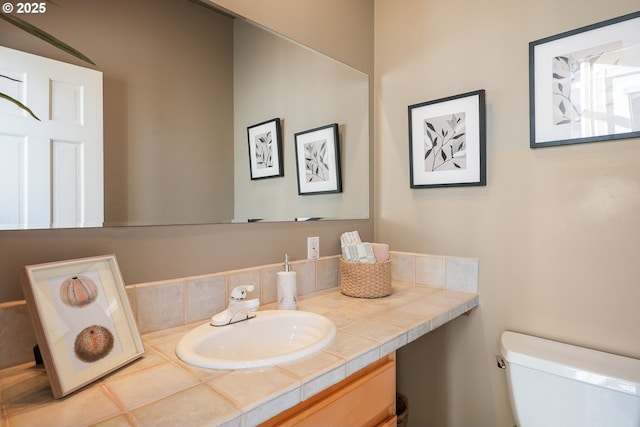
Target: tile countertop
[[161, 390]]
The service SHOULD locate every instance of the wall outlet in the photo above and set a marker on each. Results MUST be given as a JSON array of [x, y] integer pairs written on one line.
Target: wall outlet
[[313, 247]]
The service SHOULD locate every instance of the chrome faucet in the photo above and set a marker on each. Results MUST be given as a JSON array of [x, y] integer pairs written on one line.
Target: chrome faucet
[[239, 309]]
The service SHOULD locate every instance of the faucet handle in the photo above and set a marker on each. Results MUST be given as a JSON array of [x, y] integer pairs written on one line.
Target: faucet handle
[[239, 293]]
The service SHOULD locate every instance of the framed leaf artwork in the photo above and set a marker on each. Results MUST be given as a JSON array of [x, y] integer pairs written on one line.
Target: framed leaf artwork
[[318, 160], [265, 150], [584, 84], [447, 141]]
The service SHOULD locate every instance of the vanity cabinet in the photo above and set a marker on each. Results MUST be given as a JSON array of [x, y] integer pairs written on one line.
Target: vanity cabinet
[[366, 398]]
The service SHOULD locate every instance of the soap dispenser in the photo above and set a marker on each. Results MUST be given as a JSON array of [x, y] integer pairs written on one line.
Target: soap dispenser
[[286, 287]]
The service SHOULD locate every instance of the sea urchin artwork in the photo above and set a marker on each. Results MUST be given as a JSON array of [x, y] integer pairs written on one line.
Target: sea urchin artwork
[[78, 291], [93, 343]]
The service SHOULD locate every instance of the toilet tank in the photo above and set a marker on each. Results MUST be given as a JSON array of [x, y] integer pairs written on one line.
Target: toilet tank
[[555, 384]]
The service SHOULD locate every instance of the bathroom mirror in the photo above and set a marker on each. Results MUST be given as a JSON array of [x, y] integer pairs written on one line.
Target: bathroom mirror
[[182, 82]]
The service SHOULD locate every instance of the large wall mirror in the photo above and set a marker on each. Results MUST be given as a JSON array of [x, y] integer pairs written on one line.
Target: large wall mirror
[[182, 82]]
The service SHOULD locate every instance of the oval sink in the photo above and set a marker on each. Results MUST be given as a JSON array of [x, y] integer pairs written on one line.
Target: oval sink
[[270, 338]]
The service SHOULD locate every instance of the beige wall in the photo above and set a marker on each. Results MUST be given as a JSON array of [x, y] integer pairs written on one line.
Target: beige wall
[[342, 29], [164, 252], [556, 229]]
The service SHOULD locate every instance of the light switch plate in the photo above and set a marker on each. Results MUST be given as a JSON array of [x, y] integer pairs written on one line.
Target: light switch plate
[[313, 247]]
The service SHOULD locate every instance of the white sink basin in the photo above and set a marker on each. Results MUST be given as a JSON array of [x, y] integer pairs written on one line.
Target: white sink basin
[[270, 338]]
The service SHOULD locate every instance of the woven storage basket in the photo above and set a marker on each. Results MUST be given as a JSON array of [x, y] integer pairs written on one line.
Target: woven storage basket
[[365, 280]]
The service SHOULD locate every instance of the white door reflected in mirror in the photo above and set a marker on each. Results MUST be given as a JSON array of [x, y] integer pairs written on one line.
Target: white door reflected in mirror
[[51, 171]]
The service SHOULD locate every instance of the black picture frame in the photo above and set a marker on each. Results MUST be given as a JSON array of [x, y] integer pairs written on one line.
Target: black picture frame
[[447, 141], [318, 160], [582, 85], [265, 149]]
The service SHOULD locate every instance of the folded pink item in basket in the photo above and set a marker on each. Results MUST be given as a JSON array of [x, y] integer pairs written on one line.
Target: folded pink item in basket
[[380, 251]]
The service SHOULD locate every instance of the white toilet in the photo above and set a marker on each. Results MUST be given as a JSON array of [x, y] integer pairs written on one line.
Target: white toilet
[[552, 384]]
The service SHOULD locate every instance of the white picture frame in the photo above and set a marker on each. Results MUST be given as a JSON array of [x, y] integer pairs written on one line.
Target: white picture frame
[[82, 319]]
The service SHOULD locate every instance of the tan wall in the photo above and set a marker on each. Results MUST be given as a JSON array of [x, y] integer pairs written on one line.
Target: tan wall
[[556, 229], [342, 29], [156, 253]]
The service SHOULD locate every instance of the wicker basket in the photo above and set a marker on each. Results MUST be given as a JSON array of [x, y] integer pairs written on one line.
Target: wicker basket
[[365, 280]]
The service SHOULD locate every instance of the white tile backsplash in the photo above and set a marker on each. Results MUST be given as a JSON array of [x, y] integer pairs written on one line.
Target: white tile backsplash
[[403, 266], [160, 305], [16, 334], [206, 295], [462, 274], [269, 281], [166, 304], [305, 276], [327, 273], [430, 270]]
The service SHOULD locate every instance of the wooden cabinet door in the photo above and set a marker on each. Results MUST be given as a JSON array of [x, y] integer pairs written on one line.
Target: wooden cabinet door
[[366, 398], [390, 422]]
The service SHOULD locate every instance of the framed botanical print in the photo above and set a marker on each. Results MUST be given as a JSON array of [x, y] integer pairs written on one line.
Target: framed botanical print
[[318, 160], [447, 141], [584, 84], [265, 149]]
